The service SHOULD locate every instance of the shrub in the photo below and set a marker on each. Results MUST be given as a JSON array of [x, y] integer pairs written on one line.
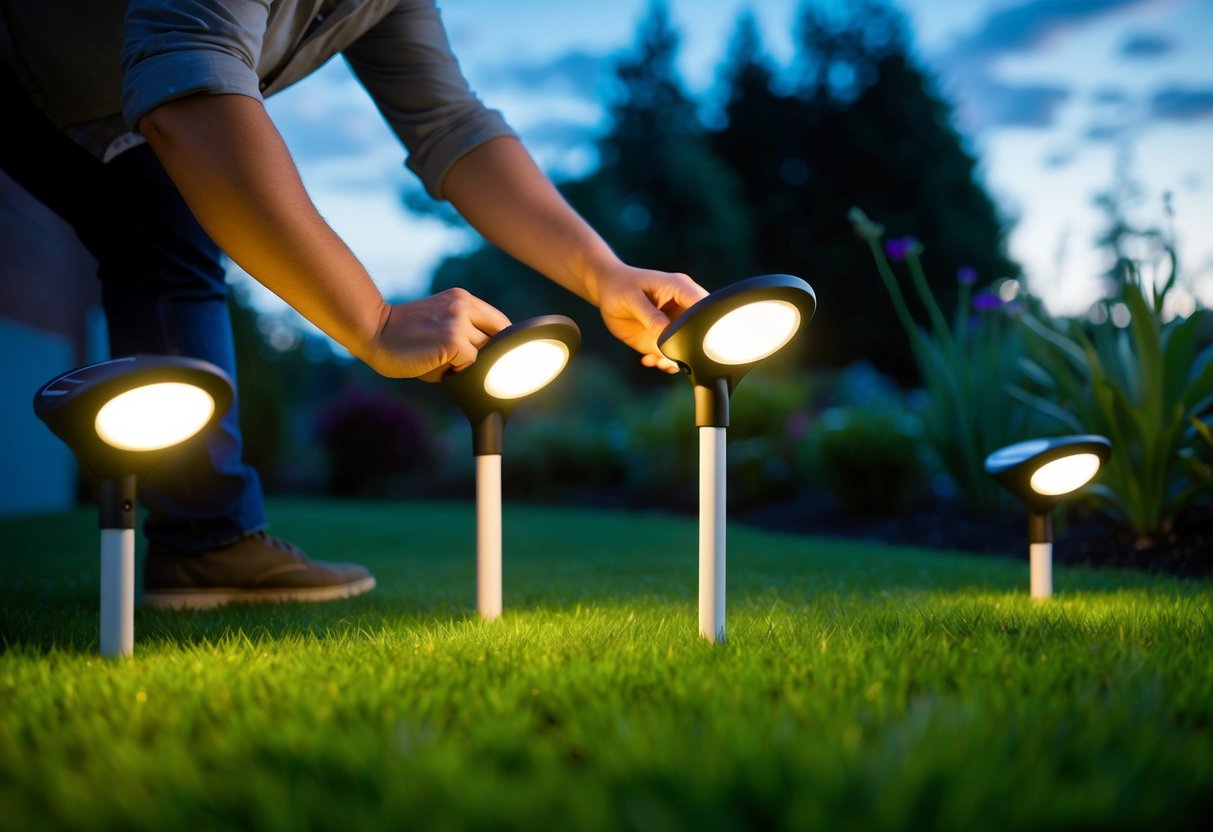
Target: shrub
[[868, 457], [768, 417], [368, 436], [966, 366]]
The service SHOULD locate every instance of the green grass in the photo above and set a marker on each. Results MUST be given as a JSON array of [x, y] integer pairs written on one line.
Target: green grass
[[862, 687]]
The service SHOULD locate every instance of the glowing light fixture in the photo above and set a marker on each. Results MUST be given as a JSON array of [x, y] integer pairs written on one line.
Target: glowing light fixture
[[120, 418], [516, 362], [1040, 472], [716, 342]]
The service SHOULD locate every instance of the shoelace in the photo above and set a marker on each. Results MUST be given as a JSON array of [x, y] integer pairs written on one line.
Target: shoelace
[[281, 545]]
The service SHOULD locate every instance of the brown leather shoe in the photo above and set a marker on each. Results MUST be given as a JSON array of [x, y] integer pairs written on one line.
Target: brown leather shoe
[[259, 568]]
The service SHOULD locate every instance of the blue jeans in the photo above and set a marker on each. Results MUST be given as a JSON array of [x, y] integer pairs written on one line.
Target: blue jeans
[[164, 292]]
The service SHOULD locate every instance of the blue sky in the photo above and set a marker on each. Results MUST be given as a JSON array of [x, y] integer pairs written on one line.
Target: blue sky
[[1048, 93]]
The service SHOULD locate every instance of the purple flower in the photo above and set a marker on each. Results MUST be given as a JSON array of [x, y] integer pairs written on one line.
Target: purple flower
[[967, 275], [986, 301], [899, 248]]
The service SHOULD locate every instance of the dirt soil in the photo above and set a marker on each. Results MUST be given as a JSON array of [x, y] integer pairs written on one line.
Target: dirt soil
[[1080, 537]]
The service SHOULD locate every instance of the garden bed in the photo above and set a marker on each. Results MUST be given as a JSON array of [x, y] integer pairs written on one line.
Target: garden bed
[[1082, 538]]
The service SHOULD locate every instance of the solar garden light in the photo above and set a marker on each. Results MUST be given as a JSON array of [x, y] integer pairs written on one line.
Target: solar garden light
[[516, 362], [716, 342], [120, 417], [1040, 472]]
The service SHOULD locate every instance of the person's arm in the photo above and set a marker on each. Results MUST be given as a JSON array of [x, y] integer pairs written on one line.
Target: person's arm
[[232, 167], [467, 154], [502, 192]]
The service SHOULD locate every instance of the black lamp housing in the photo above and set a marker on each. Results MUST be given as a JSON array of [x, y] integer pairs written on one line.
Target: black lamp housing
[[488, 413], [69, 404], [683, 340], [1012, 467]]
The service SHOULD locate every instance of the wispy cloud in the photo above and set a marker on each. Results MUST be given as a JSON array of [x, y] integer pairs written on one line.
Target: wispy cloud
[[1147, 45], [1028, 26], [1182, 104], [577, 73], [986, 99]]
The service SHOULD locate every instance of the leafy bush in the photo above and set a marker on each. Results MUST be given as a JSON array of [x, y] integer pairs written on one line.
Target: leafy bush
[[966, 366], [868, 457], [559, 457], [369, 436], [768, 418], [1145, 386]]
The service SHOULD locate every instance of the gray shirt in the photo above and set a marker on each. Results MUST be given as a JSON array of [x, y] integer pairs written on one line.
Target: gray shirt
[[97, 66]]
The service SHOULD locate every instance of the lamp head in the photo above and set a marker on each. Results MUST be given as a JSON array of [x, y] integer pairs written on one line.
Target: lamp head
[[723, 336], [121, 416], [1042, 471], [519, 360]]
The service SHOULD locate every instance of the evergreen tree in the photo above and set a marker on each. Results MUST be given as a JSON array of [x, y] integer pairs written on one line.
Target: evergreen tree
[[864, 127]]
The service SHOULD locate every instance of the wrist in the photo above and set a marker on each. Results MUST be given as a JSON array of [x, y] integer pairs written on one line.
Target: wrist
[[592, 268]]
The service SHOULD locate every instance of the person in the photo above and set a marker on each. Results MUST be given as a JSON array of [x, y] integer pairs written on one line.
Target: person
[[143, 124]]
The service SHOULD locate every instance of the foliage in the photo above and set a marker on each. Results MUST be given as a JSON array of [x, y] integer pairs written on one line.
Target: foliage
[[853, 121], [767, 422], [1145, 386], [862, 687], [868, 457], [967, 366], [369, 436]]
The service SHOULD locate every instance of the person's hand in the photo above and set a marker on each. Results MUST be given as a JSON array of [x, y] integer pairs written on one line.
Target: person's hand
[[425, 338], [638, 304]]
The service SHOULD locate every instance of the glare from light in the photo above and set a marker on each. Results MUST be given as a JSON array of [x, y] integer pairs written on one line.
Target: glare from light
[[751, 332], [1061, 476], [154, 416], [1018, 452], [526, 368]]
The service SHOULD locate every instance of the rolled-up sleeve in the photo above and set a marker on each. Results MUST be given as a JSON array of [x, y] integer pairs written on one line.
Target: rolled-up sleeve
[[178, 48], [406, 64]]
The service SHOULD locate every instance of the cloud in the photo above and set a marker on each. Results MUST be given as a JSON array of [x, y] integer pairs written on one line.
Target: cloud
[[1010, 105], [1029, 26], [988, 101], [1109, 95], [1182, 104], [578, 72], [1146, 45]]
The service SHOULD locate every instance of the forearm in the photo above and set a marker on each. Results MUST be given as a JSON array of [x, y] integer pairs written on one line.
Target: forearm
[[232, 167], [500, 190]]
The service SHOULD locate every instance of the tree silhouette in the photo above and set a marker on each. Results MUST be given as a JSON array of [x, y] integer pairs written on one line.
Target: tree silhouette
[[864, 127]]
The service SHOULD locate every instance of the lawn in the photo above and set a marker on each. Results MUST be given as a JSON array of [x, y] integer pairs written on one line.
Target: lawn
[[862, 687]]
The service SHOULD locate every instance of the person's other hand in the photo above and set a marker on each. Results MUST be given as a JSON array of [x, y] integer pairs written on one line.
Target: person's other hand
[[638, 304], [425, 338]]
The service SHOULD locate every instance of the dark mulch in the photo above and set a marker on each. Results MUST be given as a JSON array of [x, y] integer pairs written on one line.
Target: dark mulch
[[1080, 538]]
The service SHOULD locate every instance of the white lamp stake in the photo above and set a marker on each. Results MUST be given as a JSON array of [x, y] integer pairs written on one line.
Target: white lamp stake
[[711, 532], [120, 417], [1041, 472], [488, 536], [516, 362], [1040, 556], [716, 342]]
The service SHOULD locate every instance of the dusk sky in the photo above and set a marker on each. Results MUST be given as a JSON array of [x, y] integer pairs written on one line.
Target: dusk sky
[[1048, 93]]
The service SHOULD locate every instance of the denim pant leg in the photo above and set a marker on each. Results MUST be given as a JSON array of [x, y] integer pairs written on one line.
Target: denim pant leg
[[164, 292]]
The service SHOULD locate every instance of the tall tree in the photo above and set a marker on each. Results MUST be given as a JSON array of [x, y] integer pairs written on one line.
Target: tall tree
[[864, 127]]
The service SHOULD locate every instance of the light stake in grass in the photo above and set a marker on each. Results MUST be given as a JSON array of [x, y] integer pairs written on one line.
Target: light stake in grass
[[120, 417], [716, 342], [516, 362], [1040, 472]]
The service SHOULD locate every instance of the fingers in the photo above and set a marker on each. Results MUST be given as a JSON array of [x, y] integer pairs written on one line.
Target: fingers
[[427, 337], [659, 362]]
